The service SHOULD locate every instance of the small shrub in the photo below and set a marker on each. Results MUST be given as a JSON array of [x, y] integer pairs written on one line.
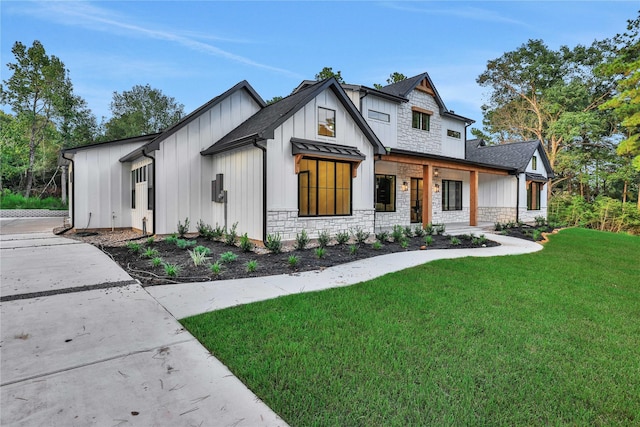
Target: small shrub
[[428, 240], [497, 226], [252, 266], [540, 221], [198, 258], [183, 228], [353, 249], [418, 231], [397, 233], [360, 235], [320, 252], [455, 241], [342, 237], [171, 239], [536, 235], [293, 261], [231, 236], [274, 243], [151, 241], [134, 247], [482, 239], [184, 244], [205, 230], [439, 229], [408, 232], [156, 262], [245, 243], [150, 253], [202, 249], [404, 243], [429, 229], [215, 268], [171, 270], [377, 245], [323, 239], [227, 257], [217, 232], [302, 240], [382, 237]]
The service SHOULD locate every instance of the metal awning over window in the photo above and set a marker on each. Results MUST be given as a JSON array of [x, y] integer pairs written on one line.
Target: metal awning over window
[[535, 177], [306, 148]]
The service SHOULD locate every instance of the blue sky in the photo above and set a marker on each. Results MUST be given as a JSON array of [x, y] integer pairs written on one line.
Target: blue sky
[[194, 50]]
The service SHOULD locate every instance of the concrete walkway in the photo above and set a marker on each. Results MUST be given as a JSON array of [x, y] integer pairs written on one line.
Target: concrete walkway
[[83, 344], [188, 299]]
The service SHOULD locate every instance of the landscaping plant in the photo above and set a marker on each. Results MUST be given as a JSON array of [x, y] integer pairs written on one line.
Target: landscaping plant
[[252, 265], [183, 228], [245, 243], [323, 238], [274, 243], [302, 240], [342, 237]]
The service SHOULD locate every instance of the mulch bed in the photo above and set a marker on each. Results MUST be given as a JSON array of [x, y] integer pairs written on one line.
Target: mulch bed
[[268, 264]]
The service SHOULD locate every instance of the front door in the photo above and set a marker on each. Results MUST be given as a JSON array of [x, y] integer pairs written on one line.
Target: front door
[[416, 200]]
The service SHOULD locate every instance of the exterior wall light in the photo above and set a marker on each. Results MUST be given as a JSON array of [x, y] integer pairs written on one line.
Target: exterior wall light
[[436, 173], [436, 188], [405, 186]]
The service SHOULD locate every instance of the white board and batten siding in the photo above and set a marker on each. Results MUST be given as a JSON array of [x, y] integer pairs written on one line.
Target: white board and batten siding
[[497, 190], [375, 111], [282, 191], [102, 187], [183, 176], [529, 215], [453, 146], [141, 213]]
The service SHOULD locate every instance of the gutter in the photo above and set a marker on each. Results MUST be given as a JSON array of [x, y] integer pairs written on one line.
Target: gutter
[[153, 215], [73, 195], [517, 175], [264, 189]]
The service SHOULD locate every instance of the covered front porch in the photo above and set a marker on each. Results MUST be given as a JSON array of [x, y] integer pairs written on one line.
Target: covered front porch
[[414, 188]]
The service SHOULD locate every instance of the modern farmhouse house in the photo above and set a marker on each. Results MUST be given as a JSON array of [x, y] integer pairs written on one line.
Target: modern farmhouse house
[[328, 157]]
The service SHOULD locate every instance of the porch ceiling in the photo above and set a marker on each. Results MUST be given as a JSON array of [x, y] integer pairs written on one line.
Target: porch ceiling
[[423, 160]]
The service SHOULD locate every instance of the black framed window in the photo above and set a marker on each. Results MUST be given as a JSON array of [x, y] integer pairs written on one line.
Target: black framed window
[[324, 188], [134, 177], [533, 196], [326, 122], [420, 120], [150, 186], [534, 163], [451, 195], [385, 193]]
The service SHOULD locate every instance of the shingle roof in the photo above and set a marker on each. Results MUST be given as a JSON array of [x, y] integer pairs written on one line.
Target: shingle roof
[[516, 154], [262, 124]]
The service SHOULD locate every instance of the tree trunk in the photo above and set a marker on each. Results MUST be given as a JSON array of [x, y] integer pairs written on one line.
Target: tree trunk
[[624, 192], [63, 185], [32, 160]]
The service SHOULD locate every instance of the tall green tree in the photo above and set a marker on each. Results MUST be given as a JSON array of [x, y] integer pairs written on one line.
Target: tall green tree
[[141, 111], [327, 72], [549, 95], [394, 77], [36, 91], [624, 65]]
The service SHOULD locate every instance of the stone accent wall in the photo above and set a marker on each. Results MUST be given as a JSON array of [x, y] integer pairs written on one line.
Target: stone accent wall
[[32, 213], [440, 217], [415, 139], [529, 216], [287, 223], [496, 214]]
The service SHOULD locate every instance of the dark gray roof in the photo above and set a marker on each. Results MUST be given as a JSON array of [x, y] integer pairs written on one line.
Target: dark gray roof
[[516, 154], [535, 177], [305, 146], [142, 138], [404, 87], [261, 125]]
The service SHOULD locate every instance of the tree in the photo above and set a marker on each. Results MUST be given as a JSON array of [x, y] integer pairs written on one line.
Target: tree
[[327, 72], [35, 91], [273, 100], [394, 77], [141, 111], [553, 96]]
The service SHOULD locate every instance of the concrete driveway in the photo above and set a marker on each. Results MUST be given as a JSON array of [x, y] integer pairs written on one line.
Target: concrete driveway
[[83, 344]]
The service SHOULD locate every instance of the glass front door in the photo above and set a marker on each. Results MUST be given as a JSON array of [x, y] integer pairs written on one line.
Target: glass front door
[[416, 200]]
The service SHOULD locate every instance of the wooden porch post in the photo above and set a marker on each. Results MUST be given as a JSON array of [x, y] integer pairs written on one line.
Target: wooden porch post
[[426, 195], [473, 208]]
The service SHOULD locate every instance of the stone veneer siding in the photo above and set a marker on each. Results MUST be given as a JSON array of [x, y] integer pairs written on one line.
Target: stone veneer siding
[[529, 216], [494, 214], [421, 141], [287, 223]]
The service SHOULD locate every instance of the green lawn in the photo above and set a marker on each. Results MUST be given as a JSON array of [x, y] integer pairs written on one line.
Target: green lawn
[[549, 338]]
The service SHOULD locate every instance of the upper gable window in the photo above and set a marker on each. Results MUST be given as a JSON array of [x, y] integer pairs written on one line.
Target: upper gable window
[[326, 122], [377, 115], [534, 163], [420, 120]]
